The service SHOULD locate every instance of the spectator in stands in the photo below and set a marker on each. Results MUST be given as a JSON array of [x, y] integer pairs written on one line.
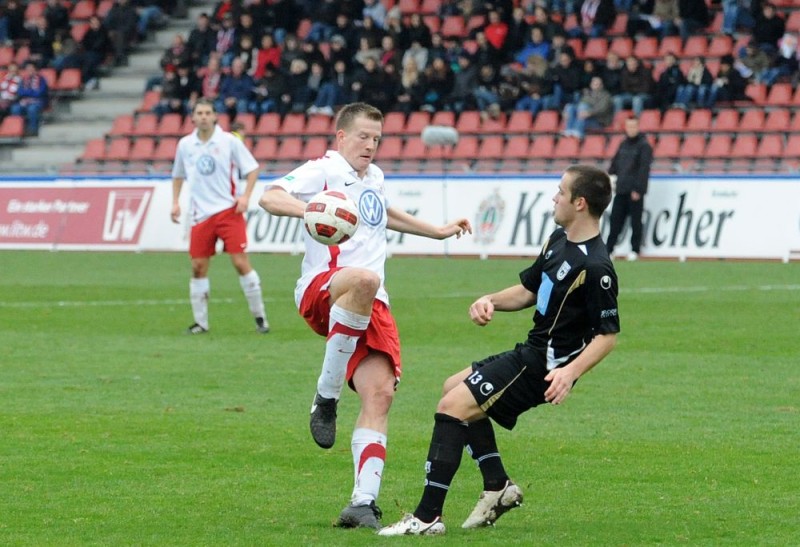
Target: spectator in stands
[[307, 94], [438, 78], [396, 29], [149, 17], [418, 31], [786, 62], [411, 88], [549, 24], [417, 52], [728, 86], [334, 91], [588, 71], [631, 165], [566, 79], [246, 51], [389, 53], [236, 91], [594, 19], [698, 84], [485, 53], [202, 40], [769, 28], [366, 50], [291, 51], [518, 30], [375, 10], [611, 72], [323, 20], [595, 110], [693, 17], [289, 21], [66, 52], [369, 30], [536, 45], [736, 14], [496, 31], [9, 88], [272, 93], [338, 51], [464, 81], [636, 87], [97, 48], [211, 78], [370, 86], [121, 22], [247, 28], [57, 16], [34, 96], [176, 54], [559, 45], [223, 8], [170, 99], [654, 18], [487, 93], [297, 78], [12, 22], [437, 48], [753, 63], [669, 81], [40, 42], [225, 43], [536, 87], [268, 54]]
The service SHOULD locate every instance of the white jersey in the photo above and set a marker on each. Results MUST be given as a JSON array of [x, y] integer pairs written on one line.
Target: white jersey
[[212, 169], [367, 248]]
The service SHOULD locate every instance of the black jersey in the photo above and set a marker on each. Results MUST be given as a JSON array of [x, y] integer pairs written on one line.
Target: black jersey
[[576, 296]]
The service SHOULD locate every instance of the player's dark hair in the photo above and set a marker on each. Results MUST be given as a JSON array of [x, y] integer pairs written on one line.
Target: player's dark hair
[[593, 185], [203, 101], [350, 112]]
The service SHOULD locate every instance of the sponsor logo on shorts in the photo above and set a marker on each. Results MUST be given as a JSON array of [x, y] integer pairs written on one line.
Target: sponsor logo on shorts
[[486, 388]]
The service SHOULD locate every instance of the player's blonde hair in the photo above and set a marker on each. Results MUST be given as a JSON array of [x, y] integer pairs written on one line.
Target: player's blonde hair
[[349, 112]]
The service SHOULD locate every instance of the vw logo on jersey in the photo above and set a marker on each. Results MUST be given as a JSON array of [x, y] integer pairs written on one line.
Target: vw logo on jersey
[[370, 207], [563, 271], [206, 164]]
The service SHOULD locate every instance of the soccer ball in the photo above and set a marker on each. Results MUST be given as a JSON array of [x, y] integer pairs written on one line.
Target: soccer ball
[[331, 217]]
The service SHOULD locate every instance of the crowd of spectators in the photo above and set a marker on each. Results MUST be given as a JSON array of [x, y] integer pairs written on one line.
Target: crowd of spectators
[[248, 57]]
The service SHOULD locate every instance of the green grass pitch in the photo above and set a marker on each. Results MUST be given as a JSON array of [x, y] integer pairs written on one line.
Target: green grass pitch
[[118, 429]]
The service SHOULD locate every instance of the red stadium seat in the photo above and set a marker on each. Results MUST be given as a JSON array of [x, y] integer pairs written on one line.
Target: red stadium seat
[[268, 124], [720, 45], [394, 123], [171, 125], [793, 22], [619, 26], [6, 55], [149, 100], [69, 81], [78, 30], [390, 149], [596, 48], [542, 147], [119, 150], [318, 124], [453, 26], [699, 120], [315, 147], [248, 120], [142, 149], [520, 121], [82, 10], [266, 149], [745, 145], [622, 46], [430, 7], [103, 8], [696, 46], [517, 147], [416, 122], [792, 149], [546, 121], [22, 54], [667, 146], [770, 146], [408, 7], [780, 94], [650, 121], [95, 150], [646, 48], [494, 125], [293, 124], [165, 149], [290, 148], [671, 44], [34, 9], [145, 124], [693, 146], [567, 148], [491, 147], [752, 120], [594, 147], [444, 117], [414, 149], [122, 126], [719, 146], [468, 122], [757, 93], [778, 120], [467, 148], [727, 120], [674, 120]]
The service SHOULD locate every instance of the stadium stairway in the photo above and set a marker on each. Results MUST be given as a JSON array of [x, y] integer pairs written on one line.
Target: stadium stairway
[[62, 138]]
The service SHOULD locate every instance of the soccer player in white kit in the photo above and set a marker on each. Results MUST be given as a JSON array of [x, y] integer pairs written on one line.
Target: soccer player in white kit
[[211, 159], [341, 295]]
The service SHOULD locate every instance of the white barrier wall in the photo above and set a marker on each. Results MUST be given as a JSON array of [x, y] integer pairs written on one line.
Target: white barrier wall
[[685, 217]]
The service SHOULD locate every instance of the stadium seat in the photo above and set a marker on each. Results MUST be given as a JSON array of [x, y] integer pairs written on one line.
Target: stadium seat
[[693, 146], [770, 146], [268, 124], [407, 7], [793, 21], [78, 30], [82, 10], [119, 150], [122, 126], [696, 46], [6, 55], [699, 120], [248, 120], [667, 146], [474, 23], [394, 123], [596, 49], [165, 149], [752, 120], [757, 93], [293, 124], [444, 117], [414, 148], [577, 46], [12, 129], [467, 149], [34, 9], [433, 22], [792, 149], [69, 82], [542, 146], [95, 150], [170, 125], [650, 121], [290, 148], [318, 124], [50, 75], [568, 148], [145, 124], [720, 45], [149, 100], [719, 146], [715, 27], [520, 121], [618, 122], [517, 147], [727, 120], [468, 122], [780, 94], [670, 44], [744, 145], [315, 147], [613, 144], [674, 120], [594, 147], [103, 8], [546, 121], [619, 26], [142, 149], [22, 54], [622, 46], [266, 149], [390, 149], [430, 7], [646, 48], [416, 122], [453, 26], [778, 120]]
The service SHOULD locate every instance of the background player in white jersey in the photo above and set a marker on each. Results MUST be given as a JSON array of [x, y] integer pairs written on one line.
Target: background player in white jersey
[[573, 286], [212, 159], [341, 295]]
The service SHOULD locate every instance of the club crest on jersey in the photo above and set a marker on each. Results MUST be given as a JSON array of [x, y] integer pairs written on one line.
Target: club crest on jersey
[[370, 207], [563, 271], [206, 164]]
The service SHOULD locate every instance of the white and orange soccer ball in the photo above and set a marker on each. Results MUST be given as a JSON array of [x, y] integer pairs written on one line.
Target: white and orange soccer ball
[[331, 217]]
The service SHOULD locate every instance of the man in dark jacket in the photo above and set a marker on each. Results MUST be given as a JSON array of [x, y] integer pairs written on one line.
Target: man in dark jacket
[[694, 16], [631, 166]]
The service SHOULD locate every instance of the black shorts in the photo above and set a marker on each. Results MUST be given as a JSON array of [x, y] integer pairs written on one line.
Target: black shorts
[[507, 384]]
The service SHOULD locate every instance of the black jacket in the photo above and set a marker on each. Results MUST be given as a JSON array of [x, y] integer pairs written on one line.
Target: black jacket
[[631, 164]]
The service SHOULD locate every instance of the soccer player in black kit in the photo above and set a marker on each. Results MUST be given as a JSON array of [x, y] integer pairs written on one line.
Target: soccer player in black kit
[[573, 286]]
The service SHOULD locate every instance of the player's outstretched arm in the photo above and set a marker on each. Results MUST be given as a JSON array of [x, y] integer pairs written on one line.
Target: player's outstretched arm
[[279, 202], [513, 298], [400, 221]]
